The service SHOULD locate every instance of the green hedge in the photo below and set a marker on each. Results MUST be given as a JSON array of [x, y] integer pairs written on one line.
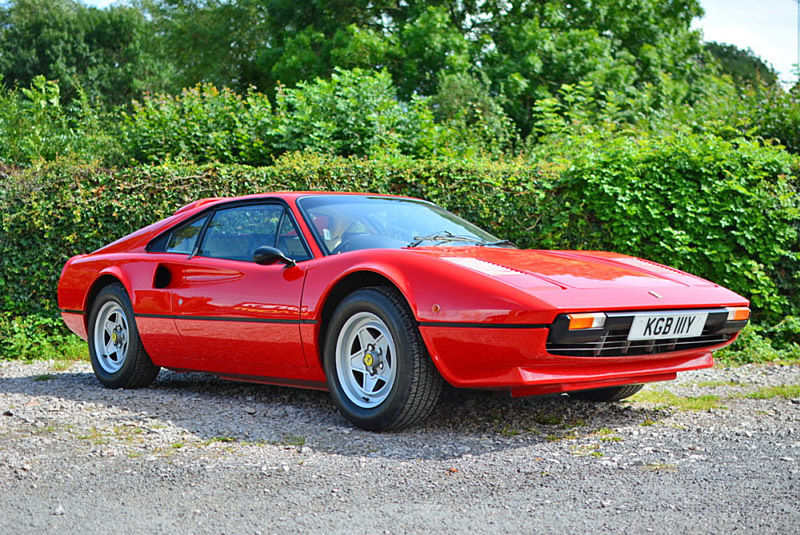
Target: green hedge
[[723, 210]]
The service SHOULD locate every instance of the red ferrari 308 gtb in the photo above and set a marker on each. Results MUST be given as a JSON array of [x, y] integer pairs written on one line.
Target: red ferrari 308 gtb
[[379, 299]]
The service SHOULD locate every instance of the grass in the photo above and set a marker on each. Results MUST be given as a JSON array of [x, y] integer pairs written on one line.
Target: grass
[[547, 419], [665, 399], [578, 422], [572, 435], [782, 391], [509, 431], [44, 377], [607, 434], [104, 436], [293, 440], [587, 450], [715, 384], [62, 365], [95, 436]]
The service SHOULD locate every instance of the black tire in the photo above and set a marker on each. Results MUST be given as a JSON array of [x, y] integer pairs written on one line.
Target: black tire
[[397, 384], [614, 393], [113, 325]]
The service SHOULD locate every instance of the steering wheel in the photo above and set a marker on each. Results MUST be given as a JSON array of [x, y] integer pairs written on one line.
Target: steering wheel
[[347, 236]]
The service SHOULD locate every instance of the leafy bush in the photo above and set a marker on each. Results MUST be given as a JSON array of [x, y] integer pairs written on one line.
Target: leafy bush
[[35, 126], [37, 337], [726, 210], [54, 211], [759, 344], [202, 124], [352, 113]]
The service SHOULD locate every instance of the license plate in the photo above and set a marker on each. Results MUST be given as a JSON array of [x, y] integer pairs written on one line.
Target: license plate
[[665, 325]]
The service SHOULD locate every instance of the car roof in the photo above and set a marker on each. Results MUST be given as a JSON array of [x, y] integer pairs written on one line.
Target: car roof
[[285, 195]]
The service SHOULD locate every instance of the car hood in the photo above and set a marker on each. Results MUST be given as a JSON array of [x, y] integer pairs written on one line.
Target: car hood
[[566, 269]]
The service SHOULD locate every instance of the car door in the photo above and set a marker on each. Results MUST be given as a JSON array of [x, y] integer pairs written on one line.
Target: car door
[[154, 316], [237, 316]]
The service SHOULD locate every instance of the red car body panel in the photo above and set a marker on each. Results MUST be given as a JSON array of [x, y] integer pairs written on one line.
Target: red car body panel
[[484, 313]]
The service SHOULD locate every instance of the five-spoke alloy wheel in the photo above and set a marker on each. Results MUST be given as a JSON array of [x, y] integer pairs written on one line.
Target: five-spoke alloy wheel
[[379, 372], [365, 354], [111, 337]]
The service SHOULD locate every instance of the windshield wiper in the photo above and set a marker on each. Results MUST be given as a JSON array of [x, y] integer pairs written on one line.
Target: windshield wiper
[[445, 236], [497, 243]]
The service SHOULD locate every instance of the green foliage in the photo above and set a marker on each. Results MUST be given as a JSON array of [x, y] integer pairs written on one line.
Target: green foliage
[[34, 125], [472, 116], [720, 210], [203, 124], [37, 337], [766, 343], [352, 113], [524, 51], [753, 111], [777, 115], [639, 142], [760, 344], [101, 54], [726, 210], [742, 65]]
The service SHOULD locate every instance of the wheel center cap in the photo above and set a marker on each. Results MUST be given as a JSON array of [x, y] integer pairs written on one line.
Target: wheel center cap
[[114, 337], [368, 359]]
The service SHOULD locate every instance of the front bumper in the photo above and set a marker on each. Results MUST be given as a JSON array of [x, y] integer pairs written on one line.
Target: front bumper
[[501, 358]]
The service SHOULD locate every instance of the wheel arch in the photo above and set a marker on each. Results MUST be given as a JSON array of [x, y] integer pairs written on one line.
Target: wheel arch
[[105, 279], [340, 290]]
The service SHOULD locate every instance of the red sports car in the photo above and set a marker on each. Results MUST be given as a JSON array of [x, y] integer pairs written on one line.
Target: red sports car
[[380, 299]]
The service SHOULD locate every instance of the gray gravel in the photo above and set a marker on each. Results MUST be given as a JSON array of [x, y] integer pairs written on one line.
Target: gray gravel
[[193, 454]]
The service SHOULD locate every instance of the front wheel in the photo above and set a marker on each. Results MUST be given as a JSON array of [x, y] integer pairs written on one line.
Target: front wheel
[[379, 372], [118, 356], [614, 393]]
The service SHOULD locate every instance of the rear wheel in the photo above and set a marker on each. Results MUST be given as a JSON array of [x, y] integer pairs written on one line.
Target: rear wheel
[[379, 372], [118, 356], [614, 393]]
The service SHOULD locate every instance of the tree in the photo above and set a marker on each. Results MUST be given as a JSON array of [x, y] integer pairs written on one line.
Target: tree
[[743, 66], [99, 52]]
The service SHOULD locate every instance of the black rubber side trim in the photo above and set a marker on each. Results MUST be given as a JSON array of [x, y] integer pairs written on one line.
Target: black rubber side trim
[[299, 383], [68, 311], [484, 325], [215, 318]]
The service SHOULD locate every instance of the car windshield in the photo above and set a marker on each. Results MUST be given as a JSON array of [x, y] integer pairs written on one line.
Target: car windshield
[[351, 222]]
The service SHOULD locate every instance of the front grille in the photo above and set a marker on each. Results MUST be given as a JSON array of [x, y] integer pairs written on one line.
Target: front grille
[[612, 341], [616, 344]]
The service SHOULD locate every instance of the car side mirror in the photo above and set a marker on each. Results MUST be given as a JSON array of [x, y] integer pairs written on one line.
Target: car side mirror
[[266, 256]]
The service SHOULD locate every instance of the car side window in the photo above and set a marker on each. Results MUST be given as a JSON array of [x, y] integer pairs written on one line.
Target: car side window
[[289, 241], [182, 240], [235, 233], [179, 240]]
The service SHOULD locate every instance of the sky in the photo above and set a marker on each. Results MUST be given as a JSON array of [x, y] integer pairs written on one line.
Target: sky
[[768, 27]]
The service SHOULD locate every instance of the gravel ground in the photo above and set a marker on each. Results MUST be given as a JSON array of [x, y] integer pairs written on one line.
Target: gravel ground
[[194, 454]]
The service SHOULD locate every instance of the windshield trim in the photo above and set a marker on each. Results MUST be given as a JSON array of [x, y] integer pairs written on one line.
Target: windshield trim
[[321, 243]]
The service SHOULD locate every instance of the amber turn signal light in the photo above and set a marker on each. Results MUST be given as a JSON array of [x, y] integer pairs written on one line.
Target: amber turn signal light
[[586, 321], [738, 313]]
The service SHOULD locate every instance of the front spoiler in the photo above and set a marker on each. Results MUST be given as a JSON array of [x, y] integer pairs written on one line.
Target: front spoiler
[[517, 360]]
